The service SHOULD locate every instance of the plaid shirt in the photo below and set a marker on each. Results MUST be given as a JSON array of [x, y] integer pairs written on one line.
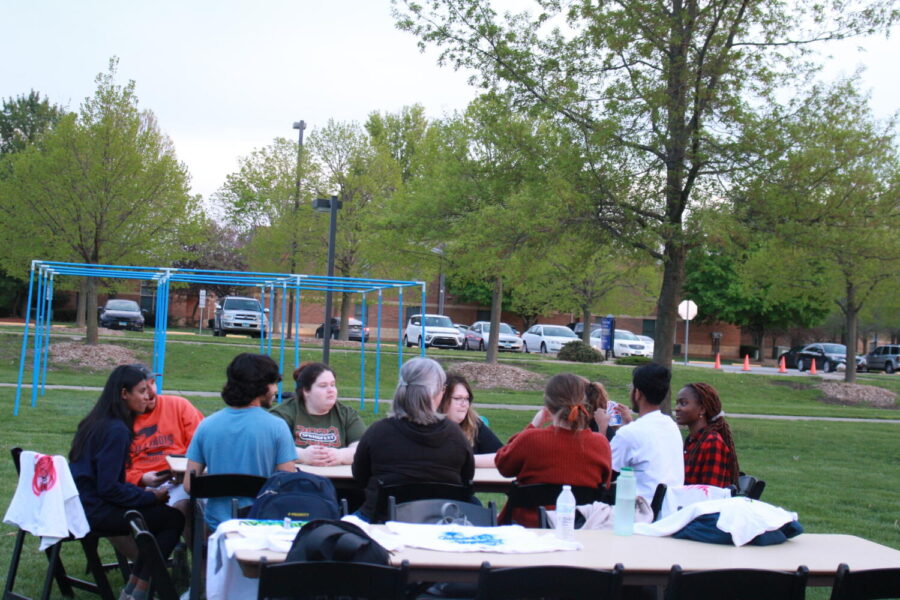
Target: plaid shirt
[[710, 465]]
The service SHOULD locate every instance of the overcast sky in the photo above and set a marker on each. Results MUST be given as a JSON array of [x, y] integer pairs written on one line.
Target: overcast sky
[[227, 76]]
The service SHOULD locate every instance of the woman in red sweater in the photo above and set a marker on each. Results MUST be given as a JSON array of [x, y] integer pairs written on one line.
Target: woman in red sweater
[[565, 452]]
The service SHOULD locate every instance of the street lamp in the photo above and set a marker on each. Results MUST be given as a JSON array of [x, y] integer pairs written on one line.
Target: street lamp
[[329, 205], [300, 125]]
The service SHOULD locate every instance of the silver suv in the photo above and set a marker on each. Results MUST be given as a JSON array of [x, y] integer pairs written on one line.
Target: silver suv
[[238, 314], [885, 358]]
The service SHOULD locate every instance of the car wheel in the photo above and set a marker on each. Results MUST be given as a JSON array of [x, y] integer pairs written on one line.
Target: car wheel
[[481, 345], [543, 348], [800, 365], [827, 367], [889, 368]]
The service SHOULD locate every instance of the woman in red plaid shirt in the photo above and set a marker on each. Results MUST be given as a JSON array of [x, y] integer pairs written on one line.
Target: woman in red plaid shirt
[[709, 454]]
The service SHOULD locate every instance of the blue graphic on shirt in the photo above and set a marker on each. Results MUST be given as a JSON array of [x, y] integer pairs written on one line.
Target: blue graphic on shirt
[[484, 539]]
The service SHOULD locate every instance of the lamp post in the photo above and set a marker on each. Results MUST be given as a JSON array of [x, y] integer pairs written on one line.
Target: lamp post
[[300, 125], [330, 205]]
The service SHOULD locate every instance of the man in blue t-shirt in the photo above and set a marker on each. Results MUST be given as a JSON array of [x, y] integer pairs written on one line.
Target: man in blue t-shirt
[[242, 437]]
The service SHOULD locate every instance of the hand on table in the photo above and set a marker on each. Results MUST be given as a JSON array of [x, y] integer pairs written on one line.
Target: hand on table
[[320, 456]]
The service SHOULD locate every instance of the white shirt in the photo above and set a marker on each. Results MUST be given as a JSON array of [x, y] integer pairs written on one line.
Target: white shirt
[[653, 447]]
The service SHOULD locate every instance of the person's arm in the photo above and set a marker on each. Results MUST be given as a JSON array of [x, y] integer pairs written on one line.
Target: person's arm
[[710, 465], [109, 463], [484, 460], [345, 455], [288, 466], [192, 467], [362, 467]]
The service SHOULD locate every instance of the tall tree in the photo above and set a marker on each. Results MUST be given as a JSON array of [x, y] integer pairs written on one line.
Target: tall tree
[[103, 187], [657, 93], [24, 119]]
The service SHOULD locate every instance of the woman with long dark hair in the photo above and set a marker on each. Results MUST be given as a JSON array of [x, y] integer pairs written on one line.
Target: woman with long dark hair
[[456, 404], [99, 455], [709, 454]]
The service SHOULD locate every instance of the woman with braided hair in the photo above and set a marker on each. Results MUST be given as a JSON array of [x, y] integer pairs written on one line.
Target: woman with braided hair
[[709, 454], [557, 446]]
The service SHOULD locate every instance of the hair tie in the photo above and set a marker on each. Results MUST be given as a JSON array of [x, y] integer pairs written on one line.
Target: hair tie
[[573, 412], [718, 416]]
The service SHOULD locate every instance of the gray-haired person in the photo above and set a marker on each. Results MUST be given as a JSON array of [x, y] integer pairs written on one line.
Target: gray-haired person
[[415, 442]]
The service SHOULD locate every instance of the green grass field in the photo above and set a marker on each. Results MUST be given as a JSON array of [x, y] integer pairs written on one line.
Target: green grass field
[[839, 477]]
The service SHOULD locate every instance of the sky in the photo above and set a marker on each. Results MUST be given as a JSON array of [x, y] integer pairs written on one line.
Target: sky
[[225, 77]]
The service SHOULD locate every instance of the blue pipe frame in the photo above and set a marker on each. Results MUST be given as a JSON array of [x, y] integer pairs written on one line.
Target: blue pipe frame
[[43, 273]]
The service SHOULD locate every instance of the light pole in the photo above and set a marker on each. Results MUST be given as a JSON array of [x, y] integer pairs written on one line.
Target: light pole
[[301, 125], [331, 206]]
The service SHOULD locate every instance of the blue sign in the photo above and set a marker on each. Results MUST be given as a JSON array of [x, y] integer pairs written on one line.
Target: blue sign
[[607, 333]]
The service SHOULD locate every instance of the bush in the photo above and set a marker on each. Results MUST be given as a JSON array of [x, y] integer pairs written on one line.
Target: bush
[[633, 360], [579, 352]]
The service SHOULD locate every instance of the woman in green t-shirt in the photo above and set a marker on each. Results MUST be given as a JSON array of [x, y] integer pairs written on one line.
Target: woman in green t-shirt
[[325, 431]]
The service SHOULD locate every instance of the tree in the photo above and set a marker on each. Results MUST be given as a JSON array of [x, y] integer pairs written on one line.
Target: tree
[[103, 187], [658, 95], [217, 247], [830, 204], [24, 119]]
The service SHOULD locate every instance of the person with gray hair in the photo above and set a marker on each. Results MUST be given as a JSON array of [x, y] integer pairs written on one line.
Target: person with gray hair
[[415, 442]]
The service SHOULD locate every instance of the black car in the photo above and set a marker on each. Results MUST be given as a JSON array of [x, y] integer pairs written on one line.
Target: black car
[[354, 329], [826, 356], [121, 314], [790, 357]]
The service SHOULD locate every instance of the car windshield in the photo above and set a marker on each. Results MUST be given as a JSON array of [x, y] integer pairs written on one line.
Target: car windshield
[[621, 334], [559, 332], [504, 328], [125, 305], [438, 322], [834, 348], [241, 304]]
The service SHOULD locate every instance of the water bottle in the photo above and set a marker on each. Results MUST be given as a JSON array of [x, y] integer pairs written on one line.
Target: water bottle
[[565, 514], [623, 511]]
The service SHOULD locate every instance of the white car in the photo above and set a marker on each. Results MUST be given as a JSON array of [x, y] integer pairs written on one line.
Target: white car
[[547, 338], [478, 335], [626, 344], [648, 342], [439, 332]]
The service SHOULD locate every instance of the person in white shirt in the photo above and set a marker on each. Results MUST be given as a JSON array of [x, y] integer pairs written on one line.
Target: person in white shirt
[[651, 444]]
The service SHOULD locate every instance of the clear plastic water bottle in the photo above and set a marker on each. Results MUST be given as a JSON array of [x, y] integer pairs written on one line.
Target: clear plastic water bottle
[[623, 511], [565, 514]]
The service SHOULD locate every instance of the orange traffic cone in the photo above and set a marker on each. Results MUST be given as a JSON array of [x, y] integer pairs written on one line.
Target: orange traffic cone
[[746, 363], [812, 368], [718, 364], [781, 367]]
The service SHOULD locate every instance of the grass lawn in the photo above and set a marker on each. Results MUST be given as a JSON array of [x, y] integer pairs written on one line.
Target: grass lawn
[[839, 477]]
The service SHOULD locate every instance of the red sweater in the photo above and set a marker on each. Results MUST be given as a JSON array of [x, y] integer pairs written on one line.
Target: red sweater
[[554, 455]]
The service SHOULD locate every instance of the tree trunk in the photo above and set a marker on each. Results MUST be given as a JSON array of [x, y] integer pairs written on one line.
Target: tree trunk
[[667, 309], [346, 306], [586, 319], [851, 315], [290, 316], [92, 336], [496, 303], [81, 304]]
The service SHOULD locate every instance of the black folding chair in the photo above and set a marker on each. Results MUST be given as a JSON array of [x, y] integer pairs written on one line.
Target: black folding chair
[[871, 584], [440, 511], [55, 568], [538, 495], [549, 582], [421, 490], [332, 579], [149, 553], [749, 486], [737, 584], [226, 485]]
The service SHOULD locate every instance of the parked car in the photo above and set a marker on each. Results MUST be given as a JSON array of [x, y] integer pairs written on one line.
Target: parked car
[[478, 335], [462, 328], [826, 356], [578, 328], [790, 357], [239, 314], [121, 314], [354, 329], [439, 332], [886, 358], [649, 344], [547, 338], [624, 344]]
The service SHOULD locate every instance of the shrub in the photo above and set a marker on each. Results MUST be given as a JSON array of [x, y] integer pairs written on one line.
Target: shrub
[[633, 360], [578, 351]]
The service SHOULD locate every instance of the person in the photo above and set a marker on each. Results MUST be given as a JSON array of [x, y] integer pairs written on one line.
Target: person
[[566, 452], [166, 427], [415, 442], [456, 404], [99, 457], [709, 454], [651, 445], [325, 431], [242, 437]]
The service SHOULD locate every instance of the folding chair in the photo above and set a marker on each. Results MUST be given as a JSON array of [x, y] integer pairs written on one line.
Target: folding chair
[[737, 584], [226, 485], [441, 511], [871, 584], [538, 495], [421, 490], [332, 579], [55, 568], [549, 582], [161, 584]]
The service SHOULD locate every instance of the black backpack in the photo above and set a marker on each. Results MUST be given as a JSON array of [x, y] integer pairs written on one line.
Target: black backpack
[[300, 496], [336, 540]]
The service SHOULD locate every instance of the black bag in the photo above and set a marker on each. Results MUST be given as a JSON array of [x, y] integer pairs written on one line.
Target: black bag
[[300, 496], [336, 540]]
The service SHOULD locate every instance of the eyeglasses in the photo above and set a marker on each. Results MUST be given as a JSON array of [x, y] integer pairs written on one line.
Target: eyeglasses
[[461, 399]]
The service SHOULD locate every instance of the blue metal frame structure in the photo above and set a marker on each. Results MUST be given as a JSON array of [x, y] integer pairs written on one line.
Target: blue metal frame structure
[[43, 273]]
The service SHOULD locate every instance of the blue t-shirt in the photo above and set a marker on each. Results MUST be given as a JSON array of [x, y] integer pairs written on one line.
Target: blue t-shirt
[[239, 440]]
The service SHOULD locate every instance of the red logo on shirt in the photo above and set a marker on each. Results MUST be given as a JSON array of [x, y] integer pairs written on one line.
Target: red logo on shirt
[[44, 475]]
